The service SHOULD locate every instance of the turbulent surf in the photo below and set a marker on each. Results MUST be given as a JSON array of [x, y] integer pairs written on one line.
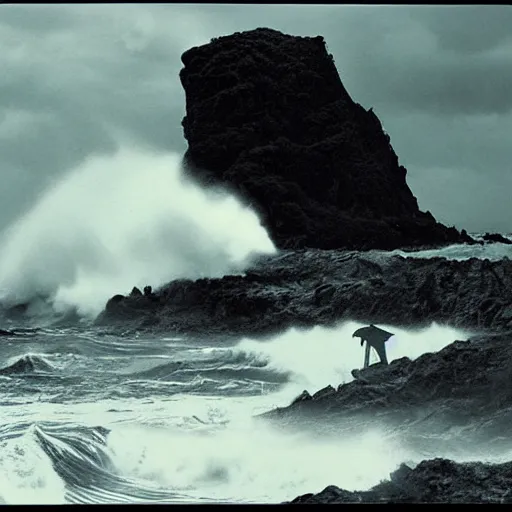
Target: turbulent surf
[[91, 416]]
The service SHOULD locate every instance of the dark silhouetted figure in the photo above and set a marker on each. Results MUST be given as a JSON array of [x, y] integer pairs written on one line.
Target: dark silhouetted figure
[[376, 338]]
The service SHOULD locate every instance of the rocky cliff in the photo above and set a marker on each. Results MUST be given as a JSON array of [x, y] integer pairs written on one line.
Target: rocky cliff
[[268, 117]]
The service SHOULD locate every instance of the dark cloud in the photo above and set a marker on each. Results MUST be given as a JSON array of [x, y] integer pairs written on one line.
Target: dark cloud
[[446, 85], [397, 58], [38, 19], [468, 29], [480, 203], [82, 80], [77, 80], [475, 143]]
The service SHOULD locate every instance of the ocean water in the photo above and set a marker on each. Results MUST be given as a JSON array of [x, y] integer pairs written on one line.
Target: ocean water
[[90, 415]]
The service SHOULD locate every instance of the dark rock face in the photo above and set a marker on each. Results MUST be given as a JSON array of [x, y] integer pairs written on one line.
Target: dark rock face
[[135, 292], [315, 287], [431, 481], [268, 117], [496, 237]]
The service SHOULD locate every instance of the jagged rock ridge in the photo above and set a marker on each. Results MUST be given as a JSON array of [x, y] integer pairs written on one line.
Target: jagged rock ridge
[[318, 287], [431, 481], [268, 116], [457, 400]]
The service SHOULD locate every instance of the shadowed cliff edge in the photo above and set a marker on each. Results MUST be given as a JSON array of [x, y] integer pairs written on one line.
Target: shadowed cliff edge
[[269, 118]]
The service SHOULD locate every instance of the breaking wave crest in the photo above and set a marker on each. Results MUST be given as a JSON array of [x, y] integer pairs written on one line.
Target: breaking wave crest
[[121, 221], [67, 463], [28, 364]]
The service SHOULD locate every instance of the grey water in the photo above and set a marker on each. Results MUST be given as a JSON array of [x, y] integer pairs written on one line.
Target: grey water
[[93, 416]]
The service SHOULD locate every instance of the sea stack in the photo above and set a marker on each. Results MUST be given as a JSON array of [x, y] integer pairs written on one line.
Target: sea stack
[[268, 117]]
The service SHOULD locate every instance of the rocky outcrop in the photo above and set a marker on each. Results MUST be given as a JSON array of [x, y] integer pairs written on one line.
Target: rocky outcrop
[[315, 287], [268, 117], [496, 237], [465, 385], [431, 481], [458, 400]]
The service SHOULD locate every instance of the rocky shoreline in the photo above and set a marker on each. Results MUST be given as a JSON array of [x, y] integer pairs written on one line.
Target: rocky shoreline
[[432, 481], [269, 119], [465, 387], [312, 287], [457, 400]]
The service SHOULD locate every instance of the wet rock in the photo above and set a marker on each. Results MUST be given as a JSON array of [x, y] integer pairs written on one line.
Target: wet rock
[[302, 397], [330, 494], [496, 237], [305, 288], [432, 481], [113, 303], [468, 383], [324, 293], [135, 292], [324, 393], [268, 117]]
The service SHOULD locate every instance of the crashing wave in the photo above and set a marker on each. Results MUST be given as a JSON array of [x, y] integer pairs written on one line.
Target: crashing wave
[[29, 363]]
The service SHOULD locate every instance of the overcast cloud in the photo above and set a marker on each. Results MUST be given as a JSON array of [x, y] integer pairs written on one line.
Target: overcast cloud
[[85, 80]]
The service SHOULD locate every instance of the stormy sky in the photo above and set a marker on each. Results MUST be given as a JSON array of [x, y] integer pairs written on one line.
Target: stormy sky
[[80, 81]]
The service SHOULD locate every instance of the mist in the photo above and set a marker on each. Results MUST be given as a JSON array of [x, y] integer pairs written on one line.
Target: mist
[[121, 221]]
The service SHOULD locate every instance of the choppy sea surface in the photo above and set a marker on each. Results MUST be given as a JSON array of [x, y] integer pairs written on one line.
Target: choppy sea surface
[[90, 415]]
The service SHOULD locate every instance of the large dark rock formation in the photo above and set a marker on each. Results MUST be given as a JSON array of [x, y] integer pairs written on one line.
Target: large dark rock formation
[[431, 481], [315, 287], [268, 116]]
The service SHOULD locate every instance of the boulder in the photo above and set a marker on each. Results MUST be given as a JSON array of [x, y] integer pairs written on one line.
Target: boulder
[[135, 292]]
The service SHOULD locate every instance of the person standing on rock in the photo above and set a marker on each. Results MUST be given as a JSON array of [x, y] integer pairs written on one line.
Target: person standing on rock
[[375, 338]]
